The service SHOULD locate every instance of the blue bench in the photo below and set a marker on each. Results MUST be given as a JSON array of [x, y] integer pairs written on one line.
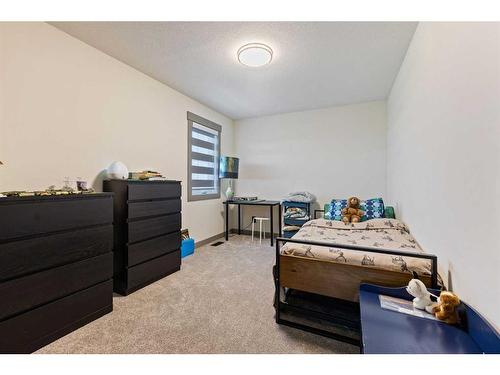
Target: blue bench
[[389, 332]]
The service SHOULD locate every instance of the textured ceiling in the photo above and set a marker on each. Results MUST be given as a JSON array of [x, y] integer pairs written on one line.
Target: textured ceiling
[[315, 64]]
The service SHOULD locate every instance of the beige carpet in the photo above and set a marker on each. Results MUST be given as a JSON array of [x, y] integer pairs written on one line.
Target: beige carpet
[[221, 301]]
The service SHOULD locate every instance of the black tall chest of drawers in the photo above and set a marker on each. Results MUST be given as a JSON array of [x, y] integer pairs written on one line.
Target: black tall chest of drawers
[[55, 267], [147, 238]]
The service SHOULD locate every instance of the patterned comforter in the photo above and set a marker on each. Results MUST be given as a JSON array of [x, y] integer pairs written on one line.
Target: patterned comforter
[[376, 233]]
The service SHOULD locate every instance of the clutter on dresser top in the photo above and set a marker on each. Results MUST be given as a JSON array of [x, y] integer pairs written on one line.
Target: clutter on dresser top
[[80, 187], [119, 171], [146, 175]]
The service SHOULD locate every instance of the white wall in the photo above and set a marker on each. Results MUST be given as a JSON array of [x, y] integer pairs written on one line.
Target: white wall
[[331, 152], [443, 153], [67, 109]]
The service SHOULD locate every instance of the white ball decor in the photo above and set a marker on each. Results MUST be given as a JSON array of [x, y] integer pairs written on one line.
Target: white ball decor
[[117, 171]]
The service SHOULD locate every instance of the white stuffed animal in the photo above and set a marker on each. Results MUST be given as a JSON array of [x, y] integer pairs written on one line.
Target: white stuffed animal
[[418, 290]]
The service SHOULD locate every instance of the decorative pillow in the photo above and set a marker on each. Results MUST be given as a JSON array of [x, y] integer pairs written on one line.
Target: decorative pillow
[[336, 207], [374, 208]]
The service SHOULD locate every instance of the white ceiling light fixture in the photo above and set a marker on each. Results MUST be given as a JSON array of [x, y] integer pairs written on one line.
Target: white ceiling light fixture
[[255, 55]]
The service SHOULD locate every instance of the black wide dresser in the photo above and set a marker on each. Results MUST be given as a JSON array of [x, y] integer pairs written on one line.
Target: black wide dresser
[[56, 267], [147, 220]]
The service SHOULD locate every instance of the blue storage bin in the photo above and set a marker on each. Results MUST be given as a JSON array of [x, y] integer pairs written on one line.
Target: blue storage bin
[[187, 247]]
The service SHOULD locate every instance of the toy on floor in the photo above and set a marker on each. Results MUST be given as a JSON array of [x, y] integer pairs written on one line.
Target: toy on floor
[[446, 308], [422, 296], [352, 213]]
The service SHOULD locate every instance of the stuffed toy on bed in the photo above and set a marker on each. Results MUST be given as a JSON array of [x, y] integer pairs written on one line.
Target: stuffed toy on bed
[[352, 213]]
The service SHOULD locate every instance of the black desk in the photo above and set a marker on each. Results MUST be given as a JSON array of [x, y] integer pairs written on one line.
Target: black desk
[[270, 204]]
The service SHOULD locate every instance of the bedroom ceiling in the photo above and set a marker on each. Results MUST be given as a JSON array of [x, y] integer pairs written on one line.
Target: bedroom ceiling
[[314, 64]]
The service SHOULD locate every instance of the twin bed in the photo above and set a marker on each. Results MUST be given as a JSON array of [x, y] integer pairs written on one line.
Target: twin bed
[[330, 258]]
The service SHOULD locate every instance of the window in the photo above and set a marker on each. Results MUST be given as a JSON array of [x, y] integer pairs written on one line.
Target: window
[[203, 158]]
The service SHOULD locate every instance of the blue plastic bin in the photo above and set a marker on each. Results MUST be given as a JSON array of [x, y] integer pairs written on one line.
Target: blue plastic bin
[[187, 247]]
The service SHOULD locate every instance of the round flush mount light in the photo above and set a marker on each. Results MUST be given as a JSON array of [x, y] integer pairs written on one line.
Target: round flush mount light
[[255, 55]]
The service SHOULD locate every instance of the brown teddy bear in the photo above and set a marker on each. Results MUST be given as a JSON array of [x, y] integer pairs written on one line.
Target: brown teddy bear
[[352, 213], [446, 308]]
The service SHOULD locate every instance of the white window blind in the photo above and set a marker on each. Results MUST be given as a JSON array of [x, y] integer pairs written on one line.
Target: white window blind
[[204, 154]]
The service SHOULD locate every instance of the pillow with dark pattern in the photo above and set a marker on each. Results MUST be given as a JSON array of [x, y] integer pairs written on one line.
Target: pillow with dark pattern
[[373, 208], [336, 206]]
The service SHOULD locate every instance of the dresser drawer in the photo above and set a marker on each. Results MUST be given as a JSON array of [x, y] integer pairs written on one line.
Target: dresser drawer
[[152, 190], [147, 220], [31, 291], [144, 229], [30, 331], [146, 250], [27, 256], [30, 218], [152, 270], [142, 209]]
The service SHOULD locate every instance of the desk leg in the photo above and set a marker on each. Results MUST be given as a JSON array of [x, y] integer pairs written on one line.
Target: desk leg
[[271, 219], [279, 217], [239, 219], [227, 222]]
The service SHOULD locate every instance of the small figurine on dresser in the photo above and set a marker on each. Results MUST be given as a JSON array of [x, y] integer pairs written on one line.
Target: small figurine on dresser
[[2, 195]]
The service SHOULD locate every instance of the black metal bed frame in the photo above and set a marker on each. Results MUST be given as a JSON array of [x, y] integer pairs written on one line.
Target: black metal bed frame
[[281, 306]]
